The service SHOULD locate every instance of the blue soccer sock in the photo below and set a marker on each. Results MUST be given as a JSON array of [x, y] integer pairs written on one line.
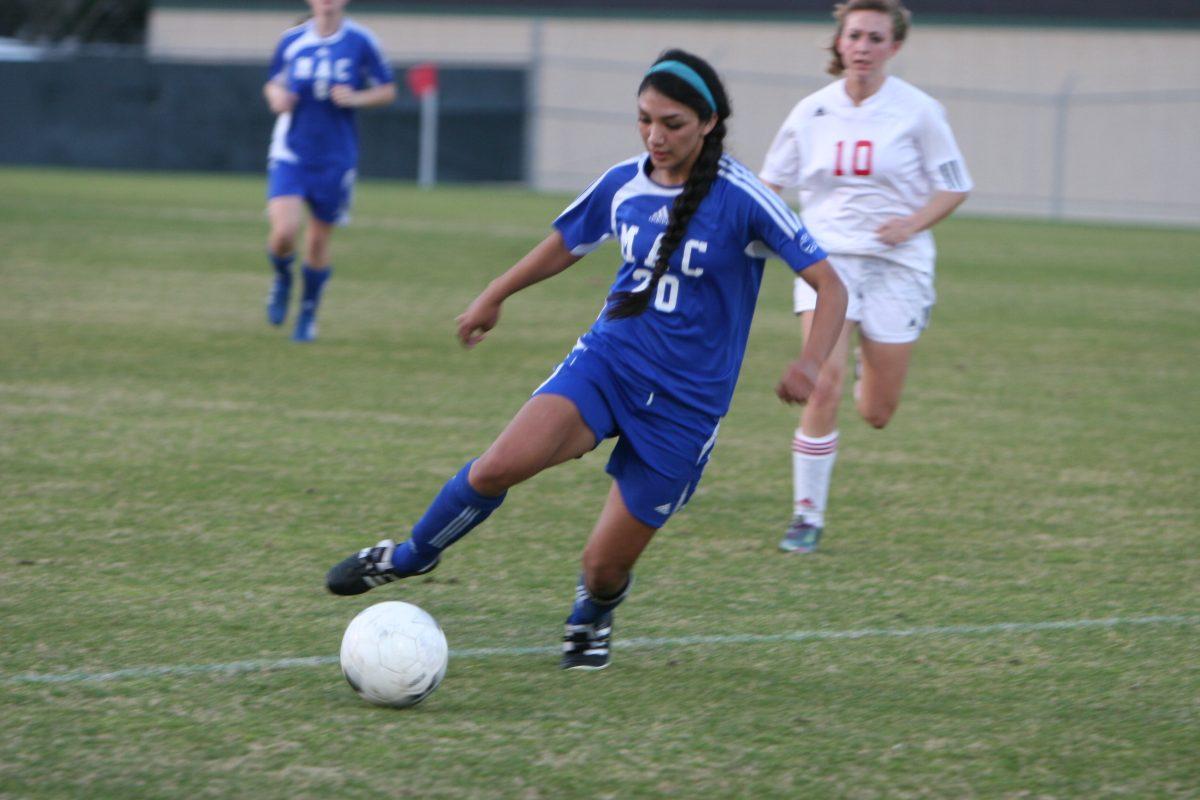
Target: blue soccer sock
[[283, 266], [456, 510], [589, 609], [314, 284]]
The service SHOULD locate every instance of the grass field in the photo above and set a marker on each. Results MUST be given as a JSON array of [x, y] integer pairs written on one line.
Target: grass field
[[1006, 605]]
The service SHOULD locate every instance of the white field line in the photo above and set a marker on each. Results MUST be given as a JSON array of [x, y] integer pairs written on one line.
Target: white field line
[[657, 643]]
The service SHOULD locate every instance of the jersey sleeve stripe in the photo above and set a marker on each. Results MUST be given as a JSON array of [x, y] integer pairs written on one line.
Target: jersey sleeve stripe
[[583, 196], [788, 223], [587, 247], [762, 190], [766, 198], [952, 176], [300, 42], [791, 225], [588, 191], [367, 34]]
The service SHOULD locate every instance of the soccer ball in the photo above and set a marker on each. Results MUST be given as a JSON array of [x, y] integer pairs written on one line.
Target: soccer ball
[[394, 654]]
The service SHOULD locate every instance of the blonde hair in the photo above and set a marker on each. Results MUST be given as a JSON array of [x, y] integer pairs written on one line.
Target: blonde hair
[[901, 20]]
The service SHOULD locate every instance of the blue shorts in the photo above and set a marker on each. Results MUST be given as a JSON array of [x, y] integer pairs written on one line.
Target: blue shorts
[[328, 191], [662, 446]]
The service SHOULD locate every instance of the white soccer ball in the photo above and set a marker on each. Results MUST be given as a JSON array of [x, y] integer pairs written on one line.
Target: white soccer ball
[[394, 654]]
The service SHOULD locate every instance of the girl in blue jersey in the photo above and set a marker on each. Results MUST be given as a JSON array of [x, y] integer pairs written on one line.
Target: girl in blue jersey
[[321, 71], [657, 368]]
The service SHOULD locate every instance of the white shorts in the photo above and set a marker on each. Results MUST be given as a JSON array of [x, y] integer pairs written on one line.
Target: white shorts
[[891, 303]]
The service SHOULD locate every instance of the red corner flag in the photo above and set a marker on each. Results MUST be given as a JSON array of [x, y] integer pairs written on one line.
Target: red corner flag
[[422, 78]]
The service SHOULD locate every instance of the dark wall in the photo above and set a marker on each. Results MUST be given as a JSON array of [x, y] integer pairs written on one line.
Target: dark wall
[[1081, 11], [130, 113]]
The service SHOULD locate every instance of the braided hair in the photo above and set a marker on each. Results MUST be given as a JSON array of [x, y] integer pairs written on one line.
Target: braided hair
[[700, 180]]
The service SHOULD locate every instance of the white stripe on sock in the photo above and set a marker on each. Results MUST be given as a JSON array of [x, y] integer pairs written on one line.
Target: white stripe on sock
[[455, 527]]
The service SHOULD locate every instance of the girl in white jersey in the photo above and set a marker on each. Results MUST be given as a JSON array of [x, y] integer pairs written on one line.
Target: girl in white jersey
[[876, 166], [657, 368]]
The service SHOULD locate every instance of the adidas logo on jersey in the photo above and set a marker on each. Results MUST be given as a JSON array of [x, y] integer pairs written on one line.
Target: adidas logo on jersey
[[820, 112], [665, 508], [661, 217]]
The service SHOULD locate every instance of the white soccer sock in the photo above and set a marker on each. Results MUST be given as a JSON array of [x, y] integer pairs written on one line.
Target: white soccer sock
[[812, 469]]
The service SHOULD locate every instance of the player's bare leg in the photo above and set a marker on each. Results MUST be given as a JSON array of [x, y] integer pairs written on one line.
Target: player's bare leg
[[884, 369], [547, 431], [285, 215], [614, 546], [316, 243], [819, 417]]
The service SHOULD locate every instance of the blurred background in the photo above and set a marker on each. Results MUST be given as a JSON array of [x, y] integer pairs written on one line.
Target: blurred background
[[1064, 108]]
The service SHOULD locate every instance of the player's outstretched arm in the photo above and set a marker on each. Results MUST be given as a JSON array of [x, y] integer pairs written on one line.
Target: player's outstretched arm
[[828, 319], [549, 258]]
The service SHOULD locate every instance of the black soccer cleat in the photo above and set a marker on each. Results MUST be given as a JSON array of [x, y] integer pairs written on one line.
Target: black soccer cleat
[[368, 568], [587, 646]]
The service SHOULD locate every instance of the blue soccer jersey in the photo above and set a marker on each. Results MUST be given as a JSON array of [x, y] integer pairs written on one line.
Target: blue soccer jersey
[[318, 132], [691, 339]]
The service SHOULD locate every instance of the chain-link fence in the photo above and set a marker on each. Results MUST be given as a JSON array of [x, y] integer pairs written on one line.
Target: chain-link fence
[[1062, 123], [1062, 154]]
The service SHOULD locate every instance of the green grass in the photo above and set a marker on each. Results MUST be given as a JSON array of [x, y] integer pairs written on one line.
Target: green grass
[[176, 477]]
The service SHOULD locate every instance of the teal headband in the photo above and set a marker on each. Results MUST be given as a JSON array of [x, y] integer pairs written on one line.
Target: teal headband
[[693, 79]]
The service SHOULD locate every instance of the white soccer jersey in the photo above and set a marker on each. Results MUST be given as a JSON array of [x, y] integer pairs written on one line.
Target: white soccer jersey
[[858, 165]]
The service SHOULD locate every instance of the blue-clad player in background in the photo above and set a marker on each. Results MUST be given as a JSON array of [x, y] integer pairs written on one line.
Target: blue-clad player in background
[[322, 70], [658, 367]]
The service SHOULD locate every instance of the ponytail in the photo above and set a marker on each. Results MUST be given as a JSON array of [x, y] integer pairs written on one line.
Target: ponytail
[[690, 80], [704, 172]]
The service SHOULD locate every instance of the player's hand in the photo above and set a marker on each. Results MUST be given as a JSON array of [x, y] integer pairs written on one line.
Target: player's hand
[[343, 95], [798, 382], [896, 230], [479, 318], [282, 101]]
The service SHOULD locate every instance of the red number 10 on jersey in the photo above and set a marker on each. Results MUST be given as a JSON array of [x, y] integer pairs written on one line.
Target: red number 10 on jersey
[[860, 158]]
